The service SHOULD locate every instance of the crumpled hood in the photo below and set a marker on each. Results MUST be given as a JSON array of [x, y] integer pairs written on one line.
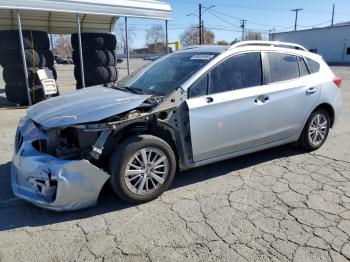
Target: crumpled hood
[[83, 106]]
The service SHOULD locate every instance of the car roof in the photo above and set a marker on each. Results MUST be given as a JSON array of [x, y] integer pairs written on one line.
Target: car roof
[[253, 46], [206, 48]]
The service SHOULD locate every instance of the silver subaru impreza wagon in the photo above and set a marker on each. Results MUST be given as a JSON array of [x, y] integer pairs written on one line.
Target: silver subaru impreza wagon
[[191, 108]]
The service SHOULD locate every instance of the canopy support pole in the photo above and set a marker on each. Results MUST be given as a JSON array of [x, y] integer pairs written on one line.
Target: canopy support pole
[[51, 42], [19, 24], [127, 45], [166, 37], [81, 53]]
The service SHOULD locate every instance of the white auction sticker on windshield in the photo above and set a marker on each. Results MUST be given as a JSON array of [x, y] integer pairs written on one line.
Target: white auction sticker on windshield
[[202, 57]]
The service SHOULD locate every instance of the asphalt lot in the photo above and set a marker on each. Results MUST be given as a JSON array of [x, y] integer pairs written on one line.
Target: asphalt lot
[[278, 205]]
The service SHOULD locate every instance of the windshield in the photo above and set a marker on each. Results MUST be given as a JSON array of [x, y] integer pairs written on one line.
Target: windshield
[[166, 75]]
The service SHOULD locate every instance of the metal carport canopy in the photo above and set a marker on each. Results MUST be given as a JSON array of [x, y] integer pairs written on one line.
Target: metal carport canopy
[[59, 16]]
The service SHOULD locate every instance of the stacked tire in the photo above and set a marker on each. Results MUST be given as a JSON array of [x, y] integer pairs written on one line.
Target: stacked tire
[[37, 54], [98, 57]]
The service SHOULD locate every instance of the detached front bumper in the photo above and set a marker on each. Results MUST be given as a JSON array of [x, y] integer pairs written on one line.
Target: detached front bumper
[[49, 182]]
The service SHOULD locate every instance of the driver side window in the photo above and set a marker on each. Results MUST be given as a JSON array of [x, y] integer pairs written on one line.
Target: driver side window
[[238, 72], [200, 87]]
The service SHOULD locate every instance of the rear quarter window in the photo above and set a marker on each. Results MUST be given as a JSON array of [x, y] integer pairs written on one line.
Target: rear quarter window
[[283, 67], [302, 67], [314, 67]]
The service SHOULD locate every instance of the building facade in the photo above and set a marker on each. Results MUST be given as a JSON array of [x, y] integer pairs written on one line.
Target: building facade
[[333, 43]]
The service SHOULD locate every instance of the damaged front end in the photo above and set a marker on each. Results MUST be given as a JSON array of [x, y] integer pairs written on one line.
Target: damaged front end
[[48, 181], [60, 158]]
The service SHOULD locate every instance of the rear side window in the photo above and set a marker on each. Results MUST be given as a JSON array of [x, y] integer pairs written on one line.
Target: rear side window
[[314, 67], [283, 67], [302, 67], [237, 72]]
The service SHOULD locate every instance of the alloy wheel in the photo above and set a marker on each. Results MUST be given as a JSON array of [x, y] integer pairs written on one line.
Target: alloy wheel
[[318, 129], [146, 171]]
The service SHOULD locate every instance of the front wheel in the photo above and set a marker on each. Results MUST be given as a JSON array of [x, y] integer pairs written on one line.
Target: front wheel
[[315, 131], [142, 168]]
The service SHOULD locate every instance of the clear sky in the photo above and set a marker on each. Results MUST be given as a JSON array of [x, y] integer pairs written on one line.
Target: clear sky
[[261, 16]]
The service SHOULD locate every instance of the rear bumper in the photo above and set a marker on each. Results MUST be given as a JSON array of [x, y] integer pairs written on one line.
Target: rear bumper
[[337, 108], [49, 182]]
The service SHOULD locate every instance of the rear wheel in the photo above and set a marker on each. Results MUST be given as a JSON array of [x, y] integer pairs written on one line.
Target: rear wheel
[[142, 168], [315, 131]]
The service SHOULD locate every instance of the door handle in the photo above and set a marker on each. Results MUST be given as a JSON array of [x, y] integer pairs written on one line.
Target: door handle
[[209, 100], [262, 99], [311, 91]]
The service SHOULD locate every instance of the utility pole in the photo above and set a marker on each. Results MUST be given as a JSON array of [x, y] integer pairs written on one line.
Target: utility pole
[[203, 33], [243, 28], [200, 24], [272, 34], [333, 15], [296, 17]]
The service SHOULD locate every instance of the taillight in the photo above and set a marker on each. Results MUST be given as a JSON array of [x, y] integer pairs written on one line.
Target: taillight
[[337, 81]]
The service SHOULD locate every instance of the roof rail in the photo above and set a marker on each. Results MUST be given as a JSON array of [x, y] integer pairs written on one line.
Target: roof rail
[[269, 43]]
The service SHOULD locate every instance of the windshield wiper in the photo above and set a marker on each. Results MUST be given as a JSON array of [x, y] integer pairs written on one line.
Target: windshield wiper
[[130, 89]]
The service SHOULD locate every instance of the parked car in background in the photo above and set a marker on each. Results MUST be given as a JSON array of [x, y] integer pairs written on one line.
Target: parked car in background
[[70, 60], [188, 109], [62, 61], [152, 58]]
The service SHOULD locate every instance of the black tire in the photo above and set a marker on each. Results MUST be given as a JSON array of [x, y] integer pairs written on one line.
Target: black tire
[[305, 142], [31, 40], [34, 58], [18, 94], [15, 75], [95, 58], [120, 158], [95, 41], [99, 74]]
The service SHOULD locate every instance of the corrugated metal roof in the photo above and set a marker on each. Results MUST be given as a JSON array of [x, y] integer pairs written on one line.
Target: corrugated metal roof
[[59, 16]]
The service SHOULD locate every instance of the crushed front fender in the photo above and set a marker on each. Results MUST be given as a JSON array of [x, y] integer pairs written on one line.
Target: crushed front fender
[[49, 182]]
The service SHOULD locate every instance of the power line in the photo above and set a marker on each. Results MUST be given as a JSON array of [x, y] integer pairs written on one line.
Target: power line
[[224, 20], [262, 8], [250, 22], [306, 26]]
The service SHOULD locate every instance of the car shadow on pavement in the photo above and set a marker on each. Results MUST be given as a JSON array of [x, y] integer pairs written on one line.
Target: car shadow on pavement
[[16, 213]]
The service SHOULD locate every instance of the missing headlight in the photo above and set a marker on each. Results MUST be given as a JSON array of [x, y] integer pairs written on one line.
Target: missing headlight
[[74, 142]]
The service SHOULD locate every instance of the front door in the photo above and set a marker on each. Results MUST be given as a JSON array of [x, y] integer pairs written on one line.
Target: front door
[[233, 116]]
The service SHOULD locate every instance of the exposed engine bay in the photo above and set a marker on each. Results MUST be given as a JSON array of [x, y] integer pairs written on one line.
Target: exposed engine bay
[[62, 148], [96, 140]]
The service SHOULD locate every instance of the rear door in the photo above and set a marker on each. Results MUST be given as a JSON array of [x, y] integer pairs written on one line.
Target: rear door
[[230, 113], [293, 92]]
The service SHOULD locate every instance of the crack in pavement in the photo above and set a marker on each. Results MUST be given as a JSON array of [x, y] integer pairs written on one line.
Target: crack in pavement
[[287, 209]]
